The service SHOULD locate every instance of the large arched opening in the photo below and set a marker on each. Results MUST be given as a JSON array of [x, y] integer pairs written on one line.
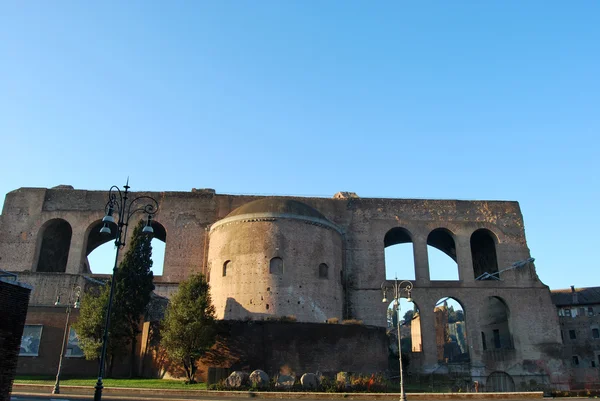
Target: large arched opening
[[495, 326], [54, 246], [410, 326], [100, 249], [399, 254], [483, 252], [450, 331], [441, 251]]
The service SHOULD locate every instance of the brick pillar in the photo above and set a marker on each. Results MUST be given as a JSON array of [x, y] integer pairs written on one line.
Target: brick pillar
[[464, 259], [421, 261], [428, 336], [77, 256]]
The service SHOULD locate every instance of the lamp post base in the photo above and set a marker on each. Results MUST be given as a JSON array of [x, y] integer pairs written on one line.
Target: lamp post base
[[402, 397], [98, 392], [56, 389]]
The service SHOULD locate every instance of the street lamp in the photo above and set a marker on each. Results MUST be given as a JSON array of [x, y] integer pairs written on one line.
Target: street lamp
[[119, 201], [75, 289], [398, 288]]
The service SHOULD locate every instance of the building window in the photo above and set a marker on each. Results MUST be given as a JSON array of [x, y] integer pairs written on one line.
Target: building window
[[497, 343], [593, 363], [572, 335], [276, 266], [561, 312], [323, 271], [567, 312], [30, 341], [73, 350], [483, 340], [590, 311], [575, 360], [581, 311], [226, 266], [562, 336], [595, 333]]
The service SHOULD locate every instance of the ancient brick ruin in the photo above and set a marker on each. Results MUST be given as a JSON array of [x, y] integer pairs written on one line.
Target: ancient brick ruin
[[320, 259]]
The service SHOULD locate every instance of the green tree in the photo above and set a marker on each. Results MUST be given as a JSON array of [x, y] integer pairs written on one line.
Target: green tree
[[408, 316], [90, 326], [189, 326], [134, 286], [133, 289]]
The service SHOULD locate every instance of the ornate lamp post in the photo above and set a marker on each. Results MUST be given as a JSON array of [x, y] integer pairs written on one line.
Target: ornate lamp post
[[77, 291], [398, 288], [119, 201]]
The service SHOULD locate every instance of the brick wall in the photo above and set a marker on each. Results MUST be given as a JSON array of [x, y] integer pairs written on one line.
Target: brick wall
[[14, 299], [45, 363], [280, 347]]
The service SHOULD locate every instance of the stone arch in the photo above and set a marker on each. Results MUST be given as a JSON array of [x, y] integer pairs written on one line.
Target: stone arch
[[483, 253], [495, 324], [399, 261], [96, 240], [158, 248], [451, 331], [500, 382], [441, 242], [55, 242]]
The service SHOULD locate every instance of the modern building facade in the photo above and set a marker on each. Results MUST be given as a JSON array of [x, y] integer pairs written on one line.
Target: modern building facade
[[578, 312]]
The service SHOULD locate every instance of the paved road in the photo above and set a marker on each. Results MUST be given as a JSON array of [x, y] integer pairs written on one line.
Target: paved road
[[67, 397]]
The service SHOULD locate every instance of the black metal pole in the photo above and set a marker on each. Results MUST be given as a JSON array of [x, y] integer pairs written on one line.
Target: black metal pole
[[125, 213], [99, 385], [118, 242]]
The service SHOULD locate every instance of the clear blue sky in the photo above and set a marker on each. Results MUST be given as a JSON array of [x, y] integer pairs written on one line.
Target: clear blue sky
[[447, 99]]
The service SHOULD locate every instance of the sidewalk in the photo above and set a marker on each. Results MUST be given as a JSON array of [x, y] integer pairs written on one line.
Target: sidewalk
[[176, 395]]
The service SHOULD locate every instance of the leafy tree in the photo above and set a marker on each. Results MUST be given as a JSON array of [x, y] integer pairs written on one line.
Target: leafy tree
[[408, 316], [133, 288], [189, 325], [455, 316], [90, 326]]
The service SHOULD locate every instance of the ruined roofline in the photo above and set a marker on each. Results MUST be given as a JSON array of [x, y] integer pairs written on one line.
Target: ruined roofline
[[195, 192]]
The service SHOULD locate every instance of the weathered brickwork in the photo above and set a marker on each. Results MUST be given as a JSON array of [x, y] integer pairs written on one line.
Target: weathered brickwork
[[317, 258]]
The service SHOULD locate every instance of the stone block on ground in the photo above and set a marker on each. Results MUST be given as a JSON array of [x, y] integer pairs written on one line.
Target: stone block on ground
[[259, 379], [309, 381], [237, 379]]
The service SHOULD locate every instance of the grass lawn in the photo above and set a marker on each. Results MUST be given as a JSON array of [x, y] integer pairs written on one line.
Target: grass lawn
[[132, 383]]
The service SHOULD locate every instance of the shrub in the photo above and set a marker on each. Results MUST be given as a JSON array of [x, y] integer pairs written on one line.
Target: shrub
[[352, 321]]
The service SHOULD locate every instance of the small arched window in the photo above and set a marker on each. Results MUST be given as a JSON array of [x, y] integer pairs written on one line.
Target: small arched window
[[323, 271], [226, 265], [276, 266]]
